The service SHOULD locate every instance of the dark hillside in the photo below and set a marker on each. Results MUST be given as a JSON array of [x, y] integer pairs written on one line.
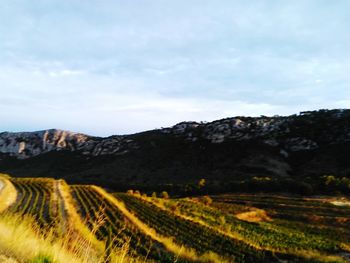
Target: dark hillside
[[283, 154]]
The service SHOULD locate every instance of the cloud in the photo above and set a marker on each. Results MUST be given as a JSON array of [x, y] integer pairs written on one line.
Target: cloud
[[120, 67]]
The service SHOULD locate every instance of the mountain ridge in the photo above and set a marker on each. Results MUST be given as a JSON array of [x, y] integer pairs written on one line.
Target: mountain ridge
[[302, 148]]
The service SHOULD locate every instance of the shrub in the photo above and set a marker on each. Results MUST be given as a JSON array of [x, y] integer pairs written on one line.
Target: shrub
[[41, 259], [206, 200], [201, 183], [165, 195]]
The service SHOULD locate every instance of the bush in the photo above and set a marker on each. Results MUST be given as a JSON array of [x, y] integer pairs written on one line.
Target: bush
[[165, 195], [41, 259], [206, 200]]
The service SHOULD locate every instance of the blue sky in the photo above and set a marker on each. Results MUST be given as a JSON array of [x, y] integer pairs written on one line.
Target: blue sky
[[114, 67]]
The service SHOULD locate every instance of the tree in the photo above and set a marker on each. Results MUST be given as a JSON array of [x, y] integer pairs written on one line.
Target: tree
[[201, 183], [165, 195], [154, 195]]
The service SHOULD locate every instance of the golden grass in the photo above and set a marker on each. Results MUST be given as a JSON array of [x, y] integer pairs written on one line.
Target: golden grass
[[258, 215], [21, 240], [74, 221]]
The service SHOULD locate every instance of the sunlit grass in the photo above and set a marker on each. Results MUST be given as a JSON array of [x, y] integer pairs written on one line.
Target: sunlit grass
[[21, 240]]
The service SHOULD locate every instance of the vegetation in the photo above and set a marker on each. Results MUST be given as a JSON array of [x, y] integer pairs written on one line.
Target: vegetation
[[21, 240], [165, 161], [31, 229], [37, 197], [93, 207], [191, 234], [84, 223], [290, 237]]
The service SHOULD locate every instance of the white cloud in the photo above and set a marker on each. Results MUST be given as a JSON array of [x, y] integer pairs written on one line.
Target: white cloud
[[121, 66], [65, 72]]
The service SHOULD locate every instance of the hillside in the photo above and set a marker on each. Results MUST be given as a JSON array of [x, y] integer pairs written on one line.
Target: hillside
[[306, 152], [85, 223]]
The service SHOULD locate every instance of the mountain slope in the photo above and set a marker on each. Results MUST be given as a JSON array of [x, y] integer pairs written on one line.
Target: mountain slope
[[244, 153]]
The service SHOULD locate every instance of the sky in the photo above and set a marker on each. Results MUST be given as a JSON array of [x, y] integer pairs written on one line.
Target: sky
[[124, 66]]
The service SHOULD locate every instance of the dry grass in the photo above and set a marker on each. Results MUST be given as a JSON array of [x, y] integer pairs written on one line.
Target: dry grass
[[73, 221], [21, 240], [258, 215]]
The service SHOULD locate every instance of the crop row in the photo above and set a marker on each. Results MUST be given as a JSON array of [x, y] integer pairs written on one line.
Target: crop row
[[303, 204], [191, 234], [264, 234], [103, 218], [294, 209], [35, 198]]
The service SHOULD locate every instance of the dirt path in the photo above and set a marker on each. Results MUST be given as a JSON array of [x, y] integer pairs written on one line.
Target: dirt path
[[61, 209], [8, 194]]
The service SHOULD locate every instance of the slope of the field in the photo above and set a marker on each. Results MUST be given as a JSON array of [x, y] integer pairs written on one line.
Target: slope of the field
[[257, 229], [221, 228], [43, 219], [105, 219]]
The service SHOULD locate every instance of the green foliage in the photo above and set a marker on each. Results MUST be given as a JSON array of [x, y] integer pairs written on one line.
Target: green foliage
[[208, 223], [334, 184], [285, 233], [42, 259], [193, 235], [39, 200]]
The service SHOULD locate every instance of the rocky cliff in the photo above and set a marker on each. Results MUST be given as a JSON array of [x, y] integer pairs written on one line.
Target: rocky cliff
[[23, 145]]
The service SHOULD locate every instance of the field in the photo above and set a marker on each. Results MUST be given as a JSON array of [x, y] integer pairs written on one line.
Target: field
[[221, 228], [38, 198]]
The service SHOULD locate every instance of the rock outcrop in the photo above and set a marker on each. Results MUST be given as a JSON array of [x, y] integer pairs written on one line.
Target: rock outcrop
[[24, 145]]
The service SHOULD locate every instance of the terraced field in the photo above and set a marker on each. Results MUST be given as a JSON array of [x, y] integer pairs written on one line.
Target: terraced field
[[102, 217], [194, 235], [222, 228], [291, 208], [39, 199]]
